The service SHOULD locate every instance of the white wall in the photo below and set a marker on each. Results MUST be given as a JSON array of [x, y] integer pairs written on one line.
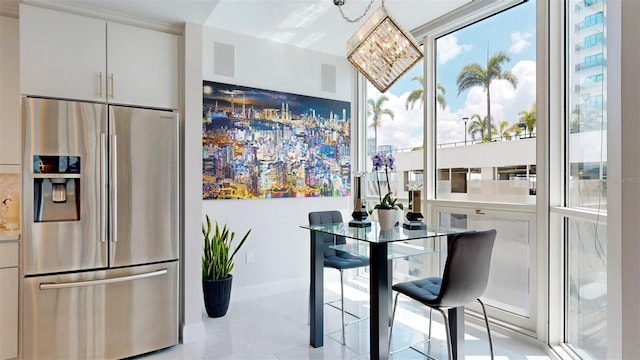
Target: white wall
[[10, 117], [280, 248], [273, 66]]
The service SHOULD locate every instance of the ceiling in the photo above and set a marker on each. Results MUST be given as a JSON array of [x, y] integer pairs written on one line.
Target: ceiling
[[311, 24]]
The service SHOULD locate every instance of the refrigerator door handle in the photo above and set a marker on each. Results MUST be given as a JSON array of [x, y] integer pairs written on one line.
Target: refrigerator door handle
[[65, 285], [103, 187], [113, 171]]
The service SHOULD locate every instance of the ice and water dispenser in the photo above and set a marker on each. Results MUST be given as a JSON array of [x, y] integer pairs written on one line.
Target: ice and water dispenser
[[56, 188]]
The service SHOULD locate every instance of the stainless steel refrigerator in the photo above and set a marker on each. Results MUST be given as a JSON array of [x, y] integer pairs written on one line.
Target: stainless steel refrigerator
[[100, 224]]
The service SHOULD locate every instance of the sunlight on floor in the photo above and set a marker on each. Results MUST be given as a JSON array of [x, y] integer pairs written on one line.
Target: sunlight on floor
[[276, 328]]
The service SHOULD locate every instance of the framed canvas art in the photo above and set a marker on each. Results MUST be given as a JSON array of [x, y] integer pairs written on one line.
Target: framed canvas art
[[260, 144]]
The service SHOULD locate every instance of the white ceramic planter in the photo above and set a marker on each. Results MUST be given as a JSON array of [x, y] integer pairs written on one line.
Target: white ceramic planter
[[387, 218]]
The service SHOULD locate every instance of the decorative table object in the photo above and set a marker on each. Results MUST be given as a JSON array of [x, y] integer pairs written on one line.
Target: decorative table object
[[359, 213], [414, 216]]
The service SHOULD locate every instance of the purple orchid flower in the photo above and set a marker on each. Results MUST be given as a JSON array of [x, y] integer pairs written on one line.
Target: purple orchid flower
[[390, 162], [377, 161]]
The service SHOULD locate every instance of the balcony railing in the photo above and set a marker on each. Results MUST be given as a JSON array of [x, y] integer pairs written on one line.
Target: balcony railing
[[584, 45], [590, 86], [584, 24], [493, 139], [591, 64], [588, 4]]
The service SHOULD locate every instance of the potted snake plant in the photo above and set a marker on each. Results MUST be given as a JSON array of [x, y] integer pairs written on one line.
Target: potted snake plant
[[217, 264]]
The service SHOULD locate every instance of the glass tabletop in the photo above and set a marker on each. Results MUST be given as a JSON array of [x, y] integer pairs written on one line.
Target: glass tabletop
[[396, 250], [374, 234]]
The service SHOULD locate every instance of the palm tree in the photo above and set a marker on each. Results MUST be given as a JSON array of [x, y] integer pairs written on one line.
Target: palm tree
[[376, 109], [528, 119], [575, 122], [504, 130], [515, 130], [479, 126], [416, 94], [474, 75]]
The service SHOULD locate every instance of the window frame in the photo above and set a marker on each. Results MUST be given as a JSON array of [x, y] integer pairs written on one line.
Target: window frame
[[536, 325]]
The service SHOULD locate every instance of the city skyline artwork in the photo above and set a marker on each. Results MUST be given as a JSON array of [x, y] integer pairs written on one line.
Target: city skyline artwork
[[262, 144]]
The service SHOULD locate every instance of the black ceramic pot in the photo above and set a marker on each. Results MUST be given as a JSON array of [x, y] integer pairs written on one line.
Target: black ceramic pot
[[216, 296]]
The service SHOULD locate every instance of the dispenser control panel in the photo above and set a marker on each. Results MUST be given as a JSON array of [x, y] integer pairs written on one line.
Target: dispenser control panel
[[56, 188], [45, 164]]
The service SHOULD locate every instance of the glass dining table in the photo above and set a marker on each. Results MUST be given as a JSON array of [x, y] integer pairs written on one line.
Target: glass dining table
[[381, 251]]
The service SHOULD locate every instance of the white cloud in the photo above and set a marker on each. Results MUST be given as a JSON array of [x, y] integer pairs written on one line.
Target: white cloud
[[406, 129], [520, 41], [448, 48]]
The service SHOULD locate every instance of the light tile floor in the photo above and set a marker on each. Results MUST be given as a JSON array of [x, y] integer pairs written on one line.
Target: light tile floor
[[275, 327]]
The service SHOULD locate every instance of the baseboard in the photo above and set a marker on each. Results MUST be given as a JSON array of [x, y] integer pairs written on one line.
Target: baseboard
[[267, 289]]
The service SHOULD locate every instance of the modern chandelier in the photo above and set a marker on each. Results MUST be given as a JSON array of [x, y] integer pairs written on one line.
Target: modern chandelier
[[381, 50]]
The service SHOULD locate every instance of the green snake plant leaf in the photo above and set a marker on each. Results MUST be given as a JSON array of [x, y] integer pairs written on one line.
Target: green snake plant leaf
[[219, 250]]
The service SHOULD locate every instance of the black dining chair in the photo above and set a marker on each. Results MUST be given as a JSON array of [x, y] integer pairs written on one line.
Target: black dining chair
[[336, 259], [464, 279]]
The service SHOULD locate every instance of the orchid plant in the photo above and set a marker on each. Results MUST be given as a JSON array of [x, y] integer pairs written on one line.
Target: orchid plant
[[382, 161]]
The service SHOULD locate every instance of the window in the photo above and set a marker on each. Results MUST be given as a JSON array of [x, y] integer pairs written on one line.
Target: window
[[485, 148], [593, 40], [459, 180], [585, 178], [509, 281], [413, 178], [395, 125], [593, 59], [443, 174], [587, 288], [594, 19], [593, 79], [394, 119], [594, 101], [512, 172], [485, 128]]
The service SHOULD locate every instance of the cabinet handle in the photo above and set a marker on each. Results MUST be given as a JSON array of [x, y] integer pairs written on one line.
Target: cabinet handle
[[100, 86], [111, 78]]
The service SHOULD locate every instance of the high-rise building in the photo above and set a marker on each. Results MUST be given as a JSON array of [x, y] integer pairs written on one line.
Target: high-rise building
[[587, 65]]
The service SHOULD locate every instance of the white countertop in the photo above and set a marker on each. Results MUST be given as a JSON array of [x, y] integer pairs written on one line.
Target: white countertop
[[6, 235]]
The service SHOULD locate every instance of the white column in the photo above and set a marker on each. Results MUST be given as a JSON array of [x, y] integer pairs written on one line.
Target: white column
[[623, 251], [191, 289]]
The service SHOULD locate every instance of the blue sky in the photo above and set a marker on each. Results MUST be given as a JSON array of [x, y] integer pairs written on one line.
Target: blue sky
[[512, 31]]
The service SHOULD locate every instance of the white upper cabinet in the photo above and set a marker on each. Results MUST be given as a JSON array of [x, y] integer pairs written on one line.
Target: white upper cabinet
[[10, 119], [76, 57], [62, 55], [142, 66]]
